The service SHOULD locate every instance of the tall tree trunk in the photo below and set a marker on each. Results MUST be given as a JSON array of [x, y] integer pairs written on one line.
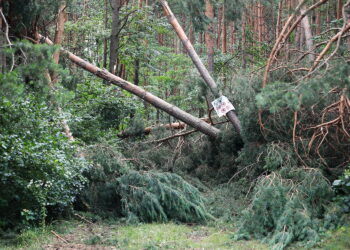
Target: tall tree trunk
[[137, 72], [209, 41], [233, 38], [259, 21], [59, 35], [244, 60], [339, 9], [219, 28], [114, 43], [105, 41], [224, 31], [308, 34], [148, 97], [318, 22]]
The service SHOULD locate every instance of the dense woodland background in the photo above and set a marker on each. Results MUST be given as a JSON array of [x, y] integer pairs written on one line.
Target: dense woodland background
[[72, 140]]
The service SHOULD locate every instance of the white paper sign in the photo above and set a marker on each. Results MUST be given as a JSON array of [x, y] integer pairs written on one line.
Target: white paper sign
[[222, 106]]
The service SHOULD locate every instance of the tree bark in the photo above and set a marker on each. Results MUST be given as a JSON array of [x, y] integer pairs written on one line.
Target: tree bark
[[224, 31], [197, 62], [339, 9], [59, 32], [114, 43], [308, 34], [244, 40], [59, 36], [105, 41], [2, 43], [209, 41], [148, 97]]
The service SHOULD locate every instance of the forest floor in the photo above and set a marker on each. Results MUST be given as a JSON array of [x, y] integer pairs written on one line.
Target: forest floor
[[74, 234], [107, 236]]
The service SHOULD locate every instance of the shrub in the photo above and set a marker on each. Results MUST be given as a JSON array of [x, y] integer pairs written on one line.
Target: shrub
[[40, 174], [293, 204]]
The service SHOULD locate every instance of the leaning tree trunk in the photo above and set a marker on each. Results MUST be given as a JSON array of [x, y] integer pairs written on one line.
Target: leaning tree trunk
[[197, 61], [148, 97]]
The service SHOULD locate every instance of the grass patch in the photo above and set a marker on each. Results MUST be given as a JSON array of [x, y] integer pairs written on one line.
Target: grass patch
[[338, 240], [142, 236]]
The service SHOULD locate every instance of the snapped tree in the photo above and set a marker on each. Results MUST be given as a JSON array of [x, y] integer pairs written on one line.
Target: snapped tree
[[231, 115], [136, 90]]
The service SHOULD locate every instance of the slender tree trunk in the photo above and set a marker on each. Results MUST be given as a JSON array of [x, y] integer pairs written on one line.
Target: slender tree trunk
[[219, 28], [150, 98], [105, 41], [244, 60], [52, 79], [308, 34], [224, 32], [137, 72], [259, 22], [318, 22], [233, 37], [114, 40], [59, 35], [209, 41], [339, 9]]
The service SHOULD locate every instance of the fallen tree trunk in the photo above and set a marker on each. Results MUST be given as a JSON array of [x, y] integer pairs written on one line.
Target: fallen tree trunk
[[148, 130], [231, 115], [148, 97]]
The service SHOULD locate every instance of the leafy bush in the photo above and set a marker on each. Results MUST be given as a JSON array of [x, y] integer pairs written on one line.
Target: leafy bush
[[39, 173], [151, 196]]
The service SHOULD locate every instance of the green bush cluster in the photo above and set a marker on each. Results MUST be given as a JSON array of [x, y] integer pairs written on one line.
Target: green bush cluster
[[40, 174]]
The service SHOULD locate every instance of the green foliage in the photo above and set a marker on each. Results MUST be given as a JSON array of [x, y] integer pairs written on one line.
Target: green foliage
[[40, 174], [100, 195], [151, 196], [342, 186], [100, 110], [39, 171], [290, 205]]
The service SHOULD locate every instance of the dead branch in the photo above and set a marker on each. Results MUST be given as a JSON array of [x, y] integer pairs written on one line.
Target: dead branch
[[59, 237], [8, 38], [286, 33]]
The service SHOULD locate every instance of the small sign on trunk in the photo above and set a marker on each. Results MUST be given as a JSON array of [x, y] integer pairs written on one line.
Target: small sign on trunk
[[222, 106]]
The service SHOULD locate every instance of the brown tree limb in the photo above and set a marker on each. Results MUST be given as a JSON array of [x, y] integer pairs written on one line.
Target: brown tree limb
[[285, 33], [7, 37]]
